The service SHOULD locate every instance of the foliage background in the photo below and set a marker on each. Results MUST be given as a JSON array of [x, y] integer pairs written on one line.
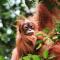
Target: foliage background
[[9, 10]]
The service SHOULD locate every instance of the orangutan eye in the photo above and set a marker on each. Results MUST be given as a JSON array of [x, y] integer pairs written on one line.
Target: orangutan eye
[[31, 25], [25, 27]]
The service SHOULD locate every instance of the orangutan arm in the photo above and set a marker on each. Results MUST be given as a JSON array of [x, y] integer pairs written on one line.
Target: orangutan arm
[[15, 54]]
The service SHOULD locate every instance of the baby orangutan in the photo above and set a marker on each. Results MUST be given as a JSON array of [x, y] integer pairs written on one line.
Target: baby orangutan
[[25, 40]]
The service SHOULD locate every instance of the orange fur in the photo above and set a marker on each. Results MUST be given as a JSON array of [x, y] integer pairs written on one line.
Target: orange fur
[[24, 43], [43, 17]]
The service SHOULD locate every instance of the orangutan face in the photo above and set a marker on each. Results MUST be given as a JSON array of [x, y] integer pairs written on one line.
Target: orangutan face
[[27, 28]]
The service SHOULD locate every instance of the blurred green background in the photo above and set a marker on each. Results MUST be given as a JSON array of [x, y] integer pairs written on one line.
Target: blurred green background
[[9, 10]]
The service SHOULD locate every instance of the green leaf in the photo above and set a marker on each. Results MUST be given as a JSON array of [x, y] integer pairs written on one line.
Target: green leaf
[[45, 54], [2, 58], [31, 57], [38, 44], [6, 14], [35, 57], [2, 2], [38, 34], [46, 30], [58, 27], [26, 58], [39, 41], [58, 37]]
